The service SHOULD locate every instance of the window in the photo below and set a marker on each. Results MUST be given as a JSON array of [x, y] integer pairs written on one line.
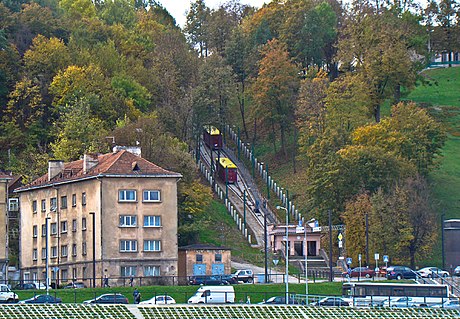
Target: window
[[35, 231], [34, 206], [53, 204], [83, 273], [128, 245], [151, 196], [83, 199], [74, 225], [74, 273], [83, 249], [199, 258], [151, 271], [54, 251], [13, 204], [128, 220], [44, 230], [74, 249], [63, 201], [64, 251], [218, 258], [74, 200], [34, 254], [43, 253], [127, 195], [64, 226], [152, 245], [152, 221], [83, 223], [128, 271], [64, 274], [53, 228], [43, 205]]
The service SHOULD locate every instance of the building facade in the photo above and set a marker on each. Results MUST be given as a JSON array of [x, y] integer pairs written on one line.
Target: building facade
[[4, 179], [204, 260], [296, 240], [106, 216]]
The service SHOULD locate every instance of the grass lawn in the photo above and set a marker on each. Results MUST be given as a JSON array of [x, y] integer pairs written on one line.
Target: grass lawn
[[182, 293]]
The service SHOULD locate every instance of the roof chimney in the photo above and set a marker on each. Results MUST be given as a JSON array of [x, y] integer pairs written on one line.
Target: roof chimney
[[89, 161], [55, 167]]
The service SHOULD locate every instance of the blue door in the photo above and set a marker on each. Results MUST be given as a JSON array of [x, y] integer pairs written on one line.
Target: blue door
[[218, 269], [199, 269]]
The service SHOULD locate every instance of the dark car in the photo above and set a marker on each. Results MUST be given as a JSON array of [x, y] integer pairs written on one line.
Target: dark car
[[109, 299], [208, 280], [331, 302], [230, 279], [42, 299], [25, 286], [75, 285], [400, 272], [280, 300], [360, 272]]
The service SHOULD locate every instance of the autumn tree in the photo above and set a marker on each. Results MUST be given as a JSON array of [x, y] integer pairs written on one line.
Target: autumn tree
[[275, 89], [197, 26]]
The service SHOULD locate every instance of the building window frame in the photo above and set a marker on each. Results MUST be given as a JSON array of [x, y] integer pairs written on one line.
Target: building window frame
[[83, 249], [34, 254], [53, 204], [152, 271], [43, 205], [63, 202], [83, 223], [64, 250], [152, 221], [127, 221], [63, 226], [34, 231], [152, 245], [218, 258], [54, 252], [127, 195], [74, 250], [151, 196], [43, 253], [34, 206], [74, 225], [13, 204], [43, 230], [199, 258], [83, 199], [128, 246], [74, 200], [53, 228], [128, 271]]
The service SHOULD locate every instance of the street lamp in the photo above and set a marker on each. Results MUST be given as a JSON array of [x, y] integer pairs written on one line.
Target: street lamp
[[287, 252], [47, 263], [94, 248]]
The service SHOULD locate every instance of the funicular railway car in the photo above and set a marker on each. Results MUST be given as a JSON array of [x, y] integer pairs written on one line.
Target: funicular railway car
[[212, 137], [225, 165]]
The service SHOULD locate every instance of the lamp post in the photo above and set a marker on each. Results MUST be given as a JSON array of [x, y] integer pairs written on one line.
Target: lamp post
[[94, 248], [47, 264], [287, 252]]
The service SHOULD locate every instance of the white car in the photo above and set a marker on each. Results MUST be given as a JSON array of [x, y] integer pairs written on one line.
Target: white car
[[433, 272], [400, 302], [159, 300]]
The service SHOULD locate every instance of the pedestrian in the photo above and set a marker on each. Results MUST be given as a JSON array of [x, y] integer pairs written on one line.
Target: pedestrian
[[106, 281], [131, 281], [248, 299], [137, 296]]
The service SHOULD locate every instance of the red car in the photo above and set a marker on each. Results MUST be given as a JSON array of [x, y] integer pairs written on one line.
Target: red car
[[360, 272]]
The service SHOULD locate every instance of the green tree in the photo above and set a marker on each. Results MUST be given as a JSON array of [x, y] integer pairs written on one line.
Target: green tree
[[118, 11], [197, 26], [275, 89]]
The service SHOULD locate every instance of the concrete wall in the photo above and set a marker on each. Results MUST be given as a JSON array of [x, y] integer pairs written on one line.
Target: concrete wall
[[3, 226]]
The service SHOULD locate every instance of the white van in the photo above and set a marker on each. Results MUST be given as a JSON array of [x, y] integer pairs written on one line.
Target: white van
[[6, 295], [213, 294]]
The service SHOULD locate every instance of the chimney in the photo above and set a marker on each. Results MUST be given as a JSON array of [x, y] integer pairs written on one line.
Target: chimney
[[55, 167], [89, 161], [136, 150]]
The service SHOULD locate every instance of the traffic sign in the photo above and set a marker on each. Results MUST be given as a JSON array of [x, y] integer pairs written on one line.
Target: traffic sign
[[376, 256], [349, 261], [385, 258], [340, 244], [359, 257], [340, 236]]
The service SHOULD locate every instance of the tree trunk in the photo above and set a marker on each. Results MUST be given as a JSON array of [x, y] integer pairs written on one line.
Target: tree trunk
[[377, 113]]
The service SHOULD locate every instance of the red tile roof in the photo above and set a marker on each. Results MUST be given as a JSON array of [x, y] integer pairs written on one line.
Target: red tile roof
[[122, 163]]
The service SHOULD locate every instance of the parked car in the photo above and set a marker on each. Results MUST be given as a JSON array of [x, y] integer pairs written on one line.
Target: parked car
[[108, 299], [331, 301], [230, 279], [25, 286], [400, 302], [42, 299], [360, 272], [75, 285], [159, 300], [244, 275], [450, 304], [400, 272], [457, 271], [430, 272], [280, 300], [207, 280]]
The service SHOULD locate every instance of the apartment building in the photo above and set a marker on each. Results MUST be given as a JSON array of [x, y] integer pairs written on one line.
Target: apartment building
[[104, 216], [4, 179]]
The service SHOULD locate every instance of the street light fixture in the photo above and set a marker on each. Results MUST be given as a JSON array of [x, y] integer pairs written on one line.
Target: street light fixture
[[286, 252]]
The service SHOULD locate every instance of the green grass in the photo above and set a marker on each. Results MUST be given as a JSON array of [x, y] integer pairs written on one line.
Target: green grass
[[182, 293]]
